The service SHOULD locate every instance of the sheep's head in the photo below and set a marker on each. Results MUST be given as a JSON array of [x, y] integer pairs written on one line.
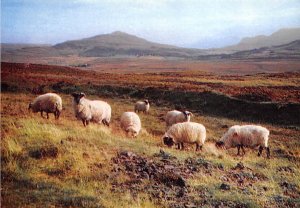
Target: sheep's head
[[131, 132], [78, 96], [220, 144], [187, 115], [146, 102], [168, 141]]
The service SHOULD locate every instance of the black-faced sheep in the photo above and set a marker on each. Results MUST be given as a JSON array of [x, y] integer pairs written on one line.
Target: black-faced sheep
[[49, 103], [175, 116], [186, 132], [131, 123], [143, 106], [91, 110], [246, 136]]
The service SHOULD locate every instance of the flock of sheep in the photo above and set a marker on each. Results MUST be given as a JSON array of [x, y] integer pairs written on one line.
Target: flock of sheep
[[180, 129]]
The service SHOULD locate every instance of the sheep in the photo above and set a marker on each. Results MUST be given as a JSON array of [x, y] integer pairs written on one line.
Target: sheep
[[175, 116], [91, 110], [142, 106], [246, 136], [186, 132], [49, 103], [131, 123]]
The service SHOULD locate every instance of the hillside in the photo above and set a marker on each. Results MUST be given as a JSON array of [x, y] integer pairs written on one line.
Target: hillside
[[287, 51], [60, 163], [120, 43], [280, 37]]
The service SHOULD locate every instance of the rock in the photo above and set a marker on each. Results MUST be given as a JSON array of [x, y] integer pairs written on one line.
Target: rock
[[127, 154], [164, 155], [224, 178], [239, 166], [225, 186], [220, 166]]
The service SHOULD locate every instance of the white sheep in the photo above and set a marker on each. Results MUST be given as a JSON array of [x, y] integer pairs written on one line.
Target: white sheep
[[246, 136], [186, 132], [142, 106], [49, 103], [91, 110], [131, 123], [175, 116]]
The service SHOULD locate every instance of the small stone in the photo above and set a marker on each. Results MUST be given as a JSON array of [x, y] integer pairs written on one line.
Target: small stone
[[240, 166], [224, 178], [225, 186]]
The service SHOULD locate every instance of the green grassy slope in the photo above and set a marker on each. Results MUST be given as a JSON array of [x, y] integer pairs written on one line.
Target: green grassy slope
[[48, 163]]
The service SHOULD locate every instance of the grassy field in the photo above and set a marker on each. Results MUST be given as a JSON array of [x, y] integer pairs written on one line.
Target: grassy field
[[60, 163]]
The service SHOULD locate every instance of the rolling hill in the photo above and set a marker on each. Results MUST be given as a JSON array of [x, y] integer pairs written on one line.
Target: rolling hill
[[280, 37], [120, 43], [286, 51]]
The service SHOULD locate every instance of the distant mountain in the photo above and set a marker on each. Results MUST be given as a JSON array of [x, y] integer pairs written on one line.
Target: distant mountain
[[285, 51], [280, 37], [120, 43]]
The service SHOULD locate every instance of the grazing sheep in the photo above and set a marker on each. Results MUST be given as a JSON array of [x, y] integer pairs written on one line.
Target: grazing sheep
[[175, 116], [142, 106], [246, 136], [131, 123], [49, 103], [91, 110], [186, 132]]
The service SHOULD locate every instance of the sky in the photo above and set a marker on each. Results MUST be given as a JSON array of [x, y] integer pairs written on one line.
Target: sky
[[186, 23]]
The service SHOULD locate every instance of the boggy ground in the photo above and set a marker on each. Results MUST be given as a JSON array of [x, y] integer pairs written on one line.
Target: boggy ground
[[276, 87], [60, 163]]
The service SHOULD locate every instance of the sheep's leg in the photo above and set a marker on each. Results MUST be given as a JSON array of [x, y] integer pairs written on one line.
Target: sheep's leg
[[238, 148], [197, 147], [182, 147], [87, 122], [105, 123], [178, 146], [260, 151], [42, 114], [57, 114], [83, 121], [47, 115], [244, 152], [268, 152]]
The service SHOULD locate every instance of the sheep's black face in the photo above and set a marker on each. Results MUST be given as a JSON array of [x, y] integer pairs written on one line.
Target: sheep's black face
[[220, 144], [77, 97], [146, 102], [186, 114], [168, 141]]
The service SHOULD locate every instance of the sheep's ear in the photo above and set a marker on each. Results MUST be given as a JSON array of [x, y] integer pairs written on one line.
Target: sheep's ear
[[188, 113], [82, 94]]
